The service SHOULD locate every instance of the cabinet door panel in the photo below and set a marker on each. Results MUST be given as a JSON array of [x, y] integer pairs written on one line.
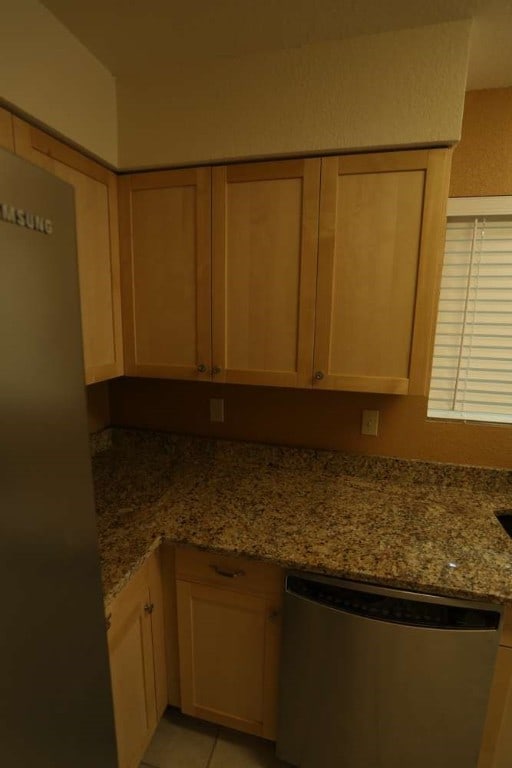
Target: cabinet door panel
[[222, 655], [165, 225], [503, 754], [97, 246], [374, 297], [155, 579], [496, 751], [6, 131], [97, 281], [264, 271], [132, 674], [379, 263]]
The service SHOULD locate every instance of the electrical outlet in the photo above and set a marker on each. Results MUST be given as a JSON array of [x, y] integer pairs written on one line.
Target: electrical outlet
[[216, 409], [370, 423]]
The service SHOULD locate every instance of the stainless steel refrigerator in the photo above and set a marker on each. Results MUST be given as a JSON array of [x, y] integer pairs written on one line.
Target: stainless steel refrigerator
[[55, 699]]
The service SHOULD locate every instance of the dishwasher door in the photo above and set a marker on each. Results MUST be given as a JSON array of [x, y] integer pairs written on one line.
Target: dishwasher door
[[379, 678]]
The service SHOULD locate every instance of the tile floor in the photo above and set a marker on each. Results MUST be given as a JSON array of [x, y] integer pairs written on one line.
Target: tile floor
[[183, 742]]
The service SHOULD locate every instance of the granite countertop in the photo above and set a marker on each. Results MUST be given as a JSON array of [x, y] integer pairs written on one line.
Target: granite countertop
[[419, 526]]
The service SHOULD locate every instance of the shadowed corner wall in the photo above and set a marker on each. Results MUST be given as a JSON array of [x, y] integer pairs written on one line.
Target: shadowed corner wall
[[482, 165], [50, 77], [98, 406]]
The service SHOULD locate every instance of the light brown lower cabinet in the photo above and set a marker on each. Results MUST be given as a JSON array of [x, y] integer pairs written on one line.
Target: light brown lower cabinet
[[202, 630], [137, 662], [229, 621], [496, 751]]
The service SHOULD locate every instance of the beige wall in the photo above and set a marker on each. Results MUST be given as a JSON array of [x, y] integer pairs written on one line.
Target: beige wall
[[308, 418], [482, 163], [396, 88], [389, 89], [48, 74]]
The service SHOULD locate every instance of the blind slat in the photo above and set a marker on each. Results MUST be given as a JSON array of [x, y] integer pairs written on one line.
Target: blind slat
[[472, 364]]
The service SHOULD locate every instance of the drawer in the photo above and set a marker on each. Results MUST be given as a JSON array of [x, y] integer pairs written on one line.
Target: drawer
[[230, 572]]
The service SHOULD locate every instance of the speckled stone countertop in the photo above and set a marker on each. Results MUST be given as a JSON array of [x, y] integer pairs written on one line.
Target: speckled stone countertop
[[419, 526]]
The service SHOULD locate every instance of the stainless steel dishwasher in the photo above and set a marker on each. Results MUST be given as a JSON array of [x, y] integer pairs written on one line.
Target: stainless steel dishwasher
[[380, 678]]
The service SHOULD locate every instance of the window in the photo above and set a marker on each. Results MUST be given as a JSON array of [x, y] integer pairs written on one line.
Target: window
[[472, 365]]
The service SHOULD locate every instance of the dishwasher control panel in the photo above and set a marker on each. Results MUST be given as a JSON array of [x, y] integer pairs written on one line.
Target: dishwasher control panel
[[397, 609]]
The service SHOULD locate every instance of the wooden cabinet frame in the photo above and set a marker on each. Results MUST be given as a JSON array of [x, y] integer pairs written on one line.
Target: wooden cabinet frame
[[308, 364], [6, 130], [217, 324]]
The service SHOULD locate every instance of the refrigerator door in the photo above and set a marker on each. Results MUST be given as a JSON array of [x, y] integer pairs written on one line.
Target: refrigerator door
[[55, 699]]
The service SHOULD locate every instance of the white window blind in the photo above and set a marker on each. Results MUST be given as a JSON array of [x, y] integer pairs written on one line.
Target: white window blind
[[472, 365]]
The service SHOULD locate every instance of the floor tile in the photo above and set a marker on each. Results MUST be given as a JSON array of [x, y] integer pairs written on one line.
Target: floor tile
[[180, 742], [237, 750]]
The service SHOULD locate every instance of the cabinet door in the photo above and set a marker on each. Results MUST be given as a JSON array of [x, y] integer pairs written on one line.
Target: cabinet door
[[132, 673], [229, 645], [156, 592], [165, 247], [265, 229], [382, 221], [496, 749], [6, 132], [97, 246]]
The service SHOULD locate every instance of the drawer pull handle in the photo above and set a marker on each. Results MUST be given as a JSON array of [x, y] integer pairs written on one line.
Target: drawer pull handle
[[227, 574], [148, 608]]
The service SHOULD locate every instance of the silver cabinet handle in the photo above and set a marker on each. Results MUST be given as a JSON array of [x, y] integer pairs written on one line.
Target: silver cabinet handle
[[227, 574], [215, 370], [202, 368], [148, 608], [319, 375]]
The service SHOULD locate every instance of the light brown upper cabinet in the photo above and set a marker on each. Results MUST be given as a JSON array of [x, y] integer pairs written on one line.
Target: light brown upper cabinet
[[166, 257], [6, 130], [265, 230], [97, 245], [221, 280], [382, 221]]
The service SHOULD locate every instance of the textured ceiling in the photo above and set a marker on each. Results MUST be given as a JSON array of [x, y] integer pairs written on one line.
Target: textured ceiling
[[137, 38]]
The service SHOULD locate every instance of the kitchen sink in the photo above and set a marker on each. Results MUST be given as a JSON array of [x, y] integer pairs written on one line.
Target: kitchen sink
[[505, 518]]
